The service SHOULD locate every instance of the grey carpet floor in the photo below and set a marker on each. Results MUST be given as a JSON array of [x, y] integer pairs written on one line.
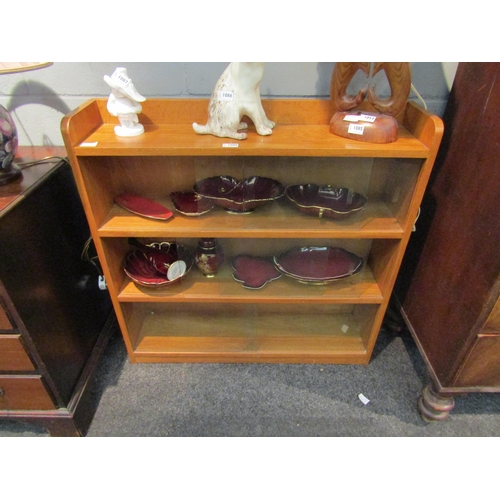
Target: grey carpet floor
[[202, 400]]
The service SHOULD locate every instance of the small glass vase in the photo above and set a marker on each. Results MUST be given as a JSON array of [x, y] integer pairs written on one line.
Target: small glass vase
[[209, 256]]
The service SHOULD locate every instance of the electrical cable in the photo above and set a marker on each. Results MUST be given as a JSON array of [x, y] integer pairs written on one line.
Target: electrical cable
[[47, 159], [85, 256], [415, 91]]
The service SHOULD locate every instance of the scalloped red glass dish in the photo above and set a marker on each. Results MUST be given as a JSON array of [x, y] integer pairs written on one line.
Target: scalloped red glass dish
[[318, 265], [141, 268], [239, 196], [325, 201], [254, 272], [190, 203]]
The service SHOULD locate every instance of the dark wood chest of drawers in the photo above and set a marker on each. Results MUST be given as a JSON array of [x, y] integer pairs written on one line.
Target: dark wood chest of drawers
[[54, 319], [449, 284]]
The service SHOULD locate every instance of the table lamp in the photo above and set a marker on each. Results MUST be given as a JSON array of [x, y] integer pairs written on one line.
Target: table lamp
[[9, 171]]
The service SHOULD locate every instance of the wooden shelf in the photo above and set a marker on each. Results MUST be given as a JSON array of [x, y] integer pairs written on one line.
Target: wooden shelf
[[294, 338], [361, 288], [181, 140], [302, 130], [268, 221]]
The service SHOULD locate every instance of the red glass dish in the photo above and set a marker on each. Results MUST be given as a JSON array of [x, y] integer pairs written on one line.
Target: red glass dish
[[160, 258], [254, 272], [142, 268], [190, 203], [239, 196], [318, 265], [142, 271], [143, 206], [325, 201]]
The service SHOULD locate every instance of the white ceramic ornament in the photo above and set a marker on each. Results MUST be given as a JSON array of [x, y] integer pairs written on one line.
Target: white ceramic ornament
[[236, 94], [124, 102]]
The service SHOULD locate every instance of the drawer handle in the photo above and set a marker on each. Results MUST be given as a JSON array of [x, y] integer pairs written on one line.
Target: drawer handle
[[1, 392]]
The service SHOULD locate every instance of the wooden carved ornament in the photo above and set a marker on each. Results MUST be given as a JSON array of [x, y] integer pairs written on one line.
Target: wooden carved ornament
[[365, 116]]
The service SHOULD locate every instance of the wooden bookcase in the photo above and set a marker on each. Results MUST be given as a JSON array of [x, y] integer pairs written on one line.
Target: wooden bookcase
[[217, 320]]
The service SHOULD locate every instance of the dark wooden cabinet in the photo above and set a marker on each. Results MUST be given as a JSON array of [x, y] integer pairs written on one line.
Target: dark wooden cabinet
[[449, 284], [54, 319]]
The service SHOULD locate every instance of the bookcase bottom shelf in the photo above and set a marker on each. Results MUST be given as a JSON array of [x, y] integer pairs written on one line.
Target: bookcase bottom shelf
[[259, 336]]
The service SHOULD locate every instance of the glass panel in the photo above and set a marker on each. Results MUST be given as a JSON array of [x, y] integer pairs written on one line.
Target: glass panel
[[327, 193], [260, 270], [288, 269], [250, 329]]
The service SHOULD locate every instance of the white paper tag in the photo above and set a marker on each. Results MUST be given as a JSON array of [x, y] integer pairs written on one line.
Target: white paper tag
[[176, 270], [224, 95], [351, 118], [363, 399], [356, 128], [230, 145], [360, 118], [344, 328], [367, 118]]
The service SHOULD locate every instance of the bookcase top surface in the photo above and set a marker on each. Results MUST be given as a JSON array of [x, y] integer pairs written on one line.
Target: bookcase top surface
[[302, 129]]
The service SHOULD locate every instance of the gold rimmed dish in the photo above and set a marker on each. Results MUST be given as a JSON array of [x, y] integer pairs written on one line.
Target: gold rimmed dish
[[239, 197], [318, 265], [158, 264], [325, 201], [190, 203], [254, 272]]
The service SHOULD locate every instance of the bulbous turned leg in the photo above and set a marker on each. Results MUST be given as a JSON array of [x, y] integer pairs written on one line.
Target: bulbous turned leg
[[434, 406]]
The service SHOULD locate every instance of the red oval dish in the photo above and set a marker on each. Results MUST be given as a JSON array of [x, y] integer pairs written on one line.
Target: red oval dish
[[325, 201], [143, 206], [239, 196], [318, 265]]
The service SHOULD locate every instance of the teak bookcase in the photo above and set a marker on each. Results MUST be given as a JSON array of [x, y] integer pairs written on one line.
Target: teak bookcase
[[216, 319]]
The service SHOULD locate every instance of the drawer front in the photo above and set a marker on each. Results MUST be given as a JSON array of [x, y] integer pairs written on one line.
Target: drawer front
[[482, 366], [13, 356], [24, 393], [5, 323]]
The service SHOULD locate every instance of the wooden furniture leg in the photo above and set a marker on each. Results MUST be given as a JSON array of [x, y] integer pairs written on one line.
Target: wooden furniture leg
[[433, 405]]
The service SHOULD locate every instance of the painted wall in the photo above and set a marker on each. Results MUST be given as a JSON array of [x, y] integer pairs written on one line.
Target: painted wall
[[39, 99]]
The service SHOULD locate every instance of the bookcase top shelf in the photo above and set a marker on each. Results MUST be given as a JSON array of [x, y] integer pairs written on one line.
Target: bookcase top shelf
[[302, 129]]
